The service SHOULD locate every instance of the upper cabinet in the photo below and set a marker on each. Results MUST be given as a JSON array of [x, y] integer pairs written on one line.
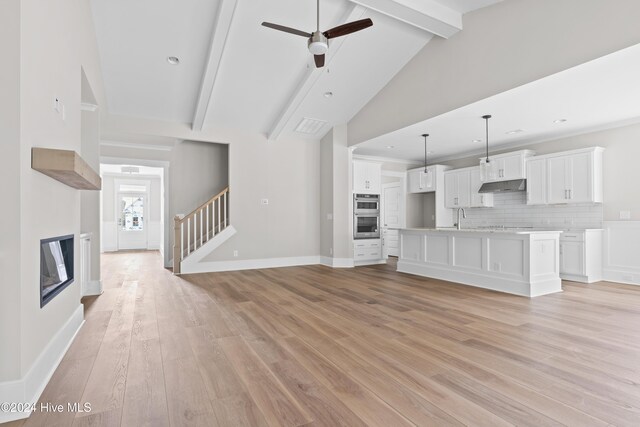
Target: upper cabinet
[[367, 177], [565, 178], [457, 188], [419, 181], [478, 200], [505, 167]]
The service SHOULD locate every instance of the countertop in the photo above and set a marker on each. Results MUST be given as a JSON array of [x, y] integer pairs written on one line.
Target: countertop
[[486, 230]]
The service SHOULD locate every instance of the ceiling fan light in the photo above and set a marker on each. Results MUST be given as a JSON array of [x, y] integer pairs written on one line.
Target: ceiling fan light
[[318, 48]]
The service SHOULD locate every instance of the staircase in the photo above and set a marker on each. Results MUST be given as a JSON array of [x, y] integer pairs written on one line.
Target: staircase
[[207, 227]]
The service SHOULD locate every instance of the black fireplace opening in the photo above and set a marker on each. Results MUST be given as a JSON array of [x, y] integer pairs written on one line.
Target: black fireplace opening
[[56, 266]]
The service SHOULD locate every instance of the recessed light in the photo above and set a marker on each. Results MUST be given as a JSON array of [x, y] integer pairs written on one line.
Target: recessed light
[[513, 132], [560, 121], [390, 147], [328, 94], [173, 60], [477, 140]]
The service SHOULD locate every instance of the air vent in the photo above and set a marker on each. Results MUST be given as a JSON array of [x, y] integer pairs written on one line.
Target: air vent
[[310, 126]]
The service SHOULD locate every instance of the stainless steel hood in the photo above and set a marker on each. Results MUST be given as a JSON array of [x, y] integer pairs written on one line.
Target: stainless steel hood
[[504, 186]]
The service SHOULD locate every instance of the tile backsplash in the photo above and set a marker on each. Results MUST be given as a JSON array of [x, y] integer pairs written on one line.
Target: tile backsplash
[[511, 210]]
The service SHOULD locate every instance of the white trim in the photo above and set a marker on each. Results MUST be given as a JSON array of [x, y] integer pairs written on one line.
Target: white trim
[[92, 288], [29, 388], [385, 159], [252, 264], [191, 262], [394, 174], [337, 262], [619, 270], [135, 146], [88, 106]]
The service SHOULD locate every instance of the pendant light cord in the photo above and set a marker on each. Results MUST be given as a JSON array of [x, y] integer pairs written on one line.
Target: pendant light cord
[[486, 119], [425, 151], [318, 15]]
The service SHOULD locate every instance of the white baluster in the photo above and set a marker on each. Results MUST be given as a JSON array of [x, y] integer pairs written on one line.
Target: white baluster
[[188, 235], [225, 210], [218, 222], [181, 241], [201, 228]]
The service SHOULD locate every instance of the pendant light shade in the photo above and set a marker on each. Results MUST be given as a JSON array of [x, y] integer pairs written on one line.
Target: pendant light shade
[[486, 170]]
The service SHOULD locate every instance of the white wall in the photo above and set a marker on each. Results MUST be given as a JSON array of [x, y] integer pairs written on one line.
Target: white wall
[[90, 200], [501, 47], [10, 327]]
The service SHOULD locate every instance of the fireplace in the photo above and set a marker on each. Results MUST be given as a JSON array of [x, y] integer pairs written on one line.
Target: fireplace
[[56, 266]]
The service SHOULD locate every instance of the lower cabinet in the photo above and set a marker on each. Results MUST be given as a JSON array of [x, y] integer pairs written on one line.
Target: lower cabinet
[[390, 243], [581, 255], [367, 250]]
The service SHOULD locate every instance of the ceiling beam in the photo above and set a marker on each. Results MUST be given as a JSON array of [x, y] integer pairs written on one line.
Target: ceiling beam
[[311, 77], [428, 15], [216, 49]]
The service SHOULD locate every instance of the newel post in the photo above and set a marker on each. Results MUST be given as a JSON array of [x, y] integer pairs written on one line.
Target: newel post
[[177, 243]]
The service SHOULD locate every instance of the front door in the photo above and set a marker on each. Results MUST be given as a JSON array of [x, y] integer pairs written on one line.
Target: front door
[[392, 213], [132, 226]]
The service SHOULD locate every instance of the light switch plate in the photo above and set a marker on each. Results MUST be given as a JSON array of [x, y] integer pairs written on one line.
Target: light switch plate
[[264, 201], [625, 214]]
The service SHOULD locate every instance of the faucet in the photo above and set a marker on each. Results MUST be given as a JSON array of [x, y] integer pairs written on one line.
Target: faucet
[[464, 215]]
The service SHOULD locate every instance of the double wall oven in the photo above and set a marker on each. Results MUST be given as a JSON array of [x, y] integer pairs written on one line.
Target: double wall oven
[[366, 216]]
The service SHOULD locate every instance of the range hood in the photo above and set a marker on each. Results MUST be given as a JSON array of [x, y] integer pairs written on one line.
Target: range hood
[[504, 186]]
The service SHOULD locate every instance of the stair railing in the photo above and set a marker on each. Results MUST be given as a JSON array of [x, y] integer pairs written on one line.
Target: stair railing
[[197, 228]]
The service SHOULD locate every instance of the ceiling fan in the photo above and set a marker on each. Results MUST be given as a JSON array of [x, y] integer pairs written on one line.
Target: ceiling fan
[[319, 40]]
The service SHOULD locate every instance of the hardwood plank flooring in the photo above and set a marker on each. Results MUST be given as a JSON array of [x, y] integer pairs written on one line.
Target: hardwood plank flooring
[[313, 346]]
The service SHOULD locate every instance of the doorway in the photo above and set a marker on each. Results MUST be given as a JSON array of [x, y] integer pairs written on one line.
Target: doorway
[[132, 230]]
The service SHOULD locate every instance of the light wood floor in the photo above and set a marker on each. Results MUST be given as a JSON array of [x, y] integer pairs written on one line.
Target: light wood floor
[[314, 346]]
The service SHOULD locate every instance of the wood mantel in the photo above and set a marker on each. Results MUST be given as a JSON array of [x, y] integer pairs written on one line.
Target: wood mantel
[[65, 166]]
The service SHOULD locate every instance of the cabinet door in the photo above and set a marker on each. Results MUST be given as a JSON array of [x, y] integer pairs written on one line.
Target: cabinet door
[[537, 182], [413, 181], [572, 258], [478, 200], [512, 167], [580, 178], [450, 190], [557, 171], [464, 189], [359, 177], [374, 178]]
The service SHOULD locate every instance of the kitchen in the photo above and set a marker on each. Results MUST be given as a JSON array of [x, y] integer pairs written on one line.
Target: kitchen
[[519, 205]]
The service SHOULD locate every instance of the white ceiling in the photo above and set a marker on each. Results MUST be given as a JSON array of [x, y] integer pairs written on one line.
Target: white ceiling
[[598, 94], [263, 73]]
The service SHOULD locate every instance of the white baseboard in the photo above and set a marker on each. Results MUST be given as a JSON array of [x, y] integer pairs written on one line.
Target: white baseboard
[[621, 262], [94, 287], [29, 388], [336, 262], [250, 264]]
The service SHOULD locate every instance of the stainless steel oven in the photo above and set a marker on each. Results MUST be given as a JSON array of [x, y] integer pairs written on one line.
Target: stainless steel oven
[[366, 204], [366, 216]]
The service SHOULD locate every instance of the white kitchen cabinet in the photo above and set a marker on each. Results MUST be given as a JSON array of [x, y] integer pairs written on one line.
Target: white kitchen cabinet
[[536, 181], [419, 181], [478, 200], [581, 255], [367, 177], [457, 188], [505, 167], [367, 250], [575, 177]]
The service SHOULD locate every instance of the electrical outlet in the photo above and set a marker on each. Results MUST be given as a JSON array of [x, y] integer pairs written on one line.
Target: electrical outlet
[[235, 253], [264, 201], [625, 214]]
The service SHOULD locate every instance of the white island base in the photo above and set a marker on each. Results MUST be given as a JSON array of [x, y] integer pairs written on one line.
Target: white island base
[[523, 263]]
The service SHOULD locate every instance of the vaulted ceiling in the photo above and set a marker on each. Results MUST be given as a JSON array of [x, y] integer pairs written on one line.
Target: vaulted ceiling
[[234, 73]]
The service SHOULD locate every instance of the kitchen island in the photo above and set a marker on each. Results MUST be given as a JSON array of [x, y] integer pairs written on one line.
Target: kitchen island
[[520, 261]]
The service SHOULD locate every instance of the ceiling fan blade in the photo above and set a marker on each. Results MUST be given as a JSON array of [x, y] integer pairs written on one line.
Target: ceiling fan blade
[[319, 60], [351, 27], [286, 29]]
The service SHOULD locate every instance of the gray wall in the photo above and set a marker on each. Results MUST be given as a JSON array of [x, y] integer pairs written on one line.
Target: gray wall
[[90, 200], [326, 195], [10, 326], [198, 171], [501, 47]]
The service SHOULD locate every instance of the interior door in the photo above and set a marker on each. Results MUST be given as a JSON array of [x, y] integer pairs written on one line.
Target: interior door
[[392, 213], [132, 226]]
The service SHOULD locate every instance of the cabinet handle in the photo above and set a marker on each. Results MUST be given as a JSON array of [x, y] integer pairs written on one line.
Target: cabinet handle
[[570, 194]]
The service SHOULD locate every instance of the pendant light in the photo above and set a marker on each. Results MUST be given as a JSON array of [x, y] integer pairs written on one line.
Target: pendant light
[[486, 169], [425, 136], [425, 178]]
